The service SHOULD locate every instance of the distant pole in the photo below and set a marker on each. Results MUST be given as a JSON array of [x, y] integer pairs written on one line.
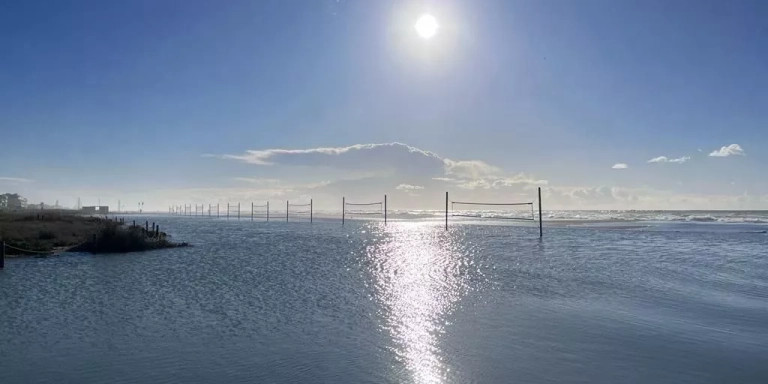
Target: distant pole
[[286, 211], [343, 209], [238, 210], [385, 209], [2, 254], [217, 210], [446, 211], [209, 210], [267, 211], [227, 210], [541, 225], [251, 210], [310, 211]]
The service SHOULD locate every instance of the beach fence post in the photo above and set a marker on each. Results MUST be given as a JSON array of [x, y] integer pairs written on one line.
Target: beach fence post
[[541, 225], [2, 254], [286, 211], [310, 211], [385, 209], [343, 208], [267, 211], [446, 211]]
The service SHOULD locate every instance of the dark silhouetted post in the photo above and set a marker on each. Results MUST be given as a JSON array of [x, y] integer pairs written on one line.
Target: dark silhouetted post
[[446, 211], [157, 231], [385, 209], [343, 209], [310, 211], [541, 225]]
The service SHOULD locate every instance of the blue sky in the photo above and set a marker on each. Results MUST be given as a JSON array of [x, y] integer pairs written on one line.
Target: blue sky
[[161, 100]]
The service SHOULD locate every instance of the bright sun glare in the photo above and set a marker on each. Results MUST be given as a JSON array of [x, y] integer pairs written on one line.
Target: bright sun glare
[[426, 26]]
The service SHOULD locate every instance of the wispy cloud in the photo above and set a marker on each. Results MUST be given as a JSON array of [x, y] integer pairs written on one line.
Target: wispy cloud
[[664, 159], [728, 150], [15, 180], [620, 166], [409, 187]]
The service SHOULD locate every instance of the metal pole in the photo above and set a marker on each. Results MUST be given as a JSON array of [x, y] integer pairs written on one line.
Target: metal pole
[[238, 210], [343, 209], [541, 225], [385, 209], [286, 211], [446, 211], [310, 211]]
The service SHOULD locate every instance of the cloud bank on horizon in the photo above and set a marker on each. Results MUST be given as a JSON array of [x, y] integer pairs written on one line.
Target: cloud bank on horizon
[[420, 177]]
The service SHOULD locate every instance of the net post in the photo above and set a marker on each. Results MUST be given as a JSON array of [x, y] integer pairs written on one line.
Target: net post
[[385, 209], [343, 209], [446, 210], [541, 225], [310, 211]]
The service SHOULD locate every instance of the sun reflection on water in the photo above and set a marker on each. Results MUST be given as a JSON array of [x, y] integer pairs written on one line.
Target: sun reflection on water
[[420, 273]]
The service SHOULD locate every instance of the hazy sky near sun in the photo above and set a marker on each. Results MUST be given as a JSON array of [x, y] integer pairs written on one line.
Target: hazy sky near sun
[[604, 104]]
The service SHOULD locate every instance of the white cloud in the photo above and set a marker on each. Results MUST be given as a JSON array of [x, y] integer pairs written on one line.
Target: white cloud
[[620, 166], [728, 150], [390, 159], [470, 169], [409, 187], [664, 159]]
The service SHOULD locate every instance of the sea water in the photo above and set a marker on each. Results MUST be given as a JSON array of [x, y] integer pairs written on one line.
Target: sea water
[[656, 299]]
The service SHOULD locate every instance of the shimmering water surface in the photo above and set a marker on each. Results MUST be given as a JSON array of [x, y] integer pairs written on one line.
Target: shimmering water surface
[[259, 302]]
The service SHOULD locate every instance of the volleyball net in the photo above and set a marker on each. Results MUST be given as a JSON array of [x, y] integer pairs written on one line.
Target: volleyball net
[[260, 211], [299, 211], [514, 211], [364, 210], [233, 210]]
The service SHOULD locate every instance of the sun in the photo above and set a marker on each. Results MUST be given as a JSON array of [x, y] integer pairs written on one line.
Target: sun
[[426, 26]]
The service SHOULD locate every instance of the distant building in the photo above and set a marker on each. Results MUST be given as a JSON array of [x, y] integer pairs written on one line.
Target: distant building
[[95, 209]]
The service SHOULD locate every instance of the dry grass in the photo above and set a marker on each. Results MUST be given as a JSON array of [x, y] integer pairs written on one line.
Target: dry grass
[[48, 231], [61, 231]]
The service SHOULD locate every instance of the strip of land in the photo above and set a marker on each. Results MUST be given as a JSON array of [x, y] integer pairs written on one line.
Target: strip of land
[[34, 234]]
